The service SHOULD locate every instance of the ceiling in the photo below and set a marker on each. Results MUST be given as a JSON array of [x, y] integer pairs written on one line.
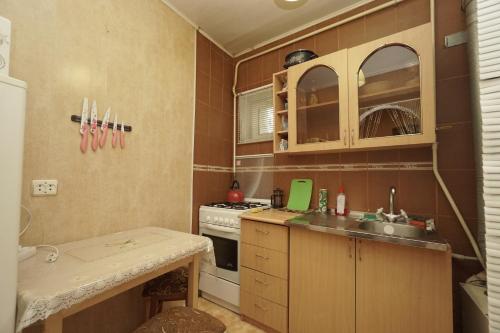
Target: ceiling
[[239, 25]]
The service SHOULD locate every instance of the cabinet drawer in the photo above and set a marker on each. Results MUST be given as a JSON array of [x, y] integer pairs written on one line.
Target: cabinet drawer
[[264, 260], [269, 236], [263, 311], [266, 286]]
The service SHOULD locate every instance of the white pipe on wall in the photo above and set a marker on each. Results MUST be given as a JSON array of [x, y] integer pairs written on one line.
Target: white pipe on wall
[[457, 212]]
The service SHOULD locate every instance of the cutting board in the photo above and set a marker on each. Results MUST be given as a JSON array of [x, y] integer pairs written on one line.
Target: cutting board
[[300, 194]]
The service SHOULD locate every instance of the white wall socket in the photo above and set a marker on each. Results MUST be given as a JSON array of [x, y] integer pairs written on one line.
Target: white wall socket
[[43, 187]]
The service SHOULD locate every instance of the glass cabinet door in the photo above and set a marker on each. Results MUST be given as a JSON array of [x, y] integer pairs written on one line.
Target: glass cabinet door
[[392, 91], [389, 93], [318, 104]]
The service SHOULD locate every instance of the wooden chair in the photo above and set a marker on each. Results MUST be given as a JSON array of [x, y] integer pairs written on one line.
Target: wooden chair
[[171, 286], [182, 320]]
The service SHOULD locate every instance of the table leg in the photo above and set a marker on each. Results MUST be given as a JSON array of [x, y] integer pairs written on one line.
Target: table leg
[[53, 324], [194, 274]]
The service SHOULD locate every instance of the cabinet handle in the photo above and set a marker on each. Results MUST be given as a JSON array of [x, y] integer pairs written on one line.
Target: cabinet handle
[[345, 137], [261, 282], [352, 137], [260, 307], [262, 231], [261, 256], [359, 251], [350, 248]]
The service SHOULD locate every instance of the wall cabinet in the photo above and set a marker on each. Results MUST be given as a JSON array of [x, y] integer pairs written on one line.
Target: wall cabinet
[[392, 90], [318, 104], [376, 95], [338, 284]]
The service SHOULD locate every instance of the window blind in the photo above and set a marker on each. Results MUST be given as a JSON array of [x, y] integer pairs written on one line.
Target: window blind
[[488, 54], [255, 116]]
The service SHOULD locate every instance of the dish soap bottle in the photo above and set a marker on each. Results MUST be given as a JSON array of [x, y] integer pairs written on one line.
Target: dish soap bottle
[[340, 210]]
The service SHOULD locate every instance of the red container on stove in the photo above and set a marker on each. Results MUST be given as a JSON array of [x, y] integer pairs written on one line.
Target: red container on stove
[[235, 194]]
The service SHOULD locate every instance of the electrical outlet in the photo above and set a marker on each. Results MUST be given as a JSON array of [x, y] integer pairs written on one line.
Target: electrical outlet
[[43, 187]]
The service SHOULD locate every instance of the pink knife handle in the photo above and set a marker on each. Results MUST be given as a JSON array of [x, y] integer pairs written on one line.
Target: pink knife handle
[[85, 139], [95, 140], [114, 140], [104, 135], [122, 140]]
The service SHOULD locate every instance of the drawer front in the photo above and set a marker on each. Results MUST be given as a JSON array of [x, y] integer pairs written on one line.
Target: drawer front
[[264, 260], [265, 312], [263, 285], [269, 236]]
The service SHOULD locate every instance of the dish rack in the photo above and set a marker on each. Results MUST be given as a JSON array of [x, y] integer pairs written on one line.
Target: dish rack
[[404, 114]]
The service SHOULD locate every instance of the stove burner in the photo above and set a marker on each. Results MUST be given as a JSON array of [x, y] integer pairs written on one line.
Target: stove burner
[[237, 205]]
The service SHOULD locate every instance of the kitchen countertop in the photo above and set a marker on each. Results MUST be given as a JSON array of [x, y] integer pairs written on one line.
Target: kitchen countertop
[[349, 226], [275, 216]]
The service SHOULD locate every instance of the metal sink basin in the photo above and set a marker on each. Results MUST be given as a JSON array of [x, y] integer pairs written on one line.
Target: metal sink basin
[[392, 229]]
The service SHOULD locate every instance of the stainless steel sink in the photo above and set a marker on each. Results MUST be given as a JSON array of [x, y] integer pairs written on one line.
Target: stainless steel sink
[[392, 229], [352, 226]]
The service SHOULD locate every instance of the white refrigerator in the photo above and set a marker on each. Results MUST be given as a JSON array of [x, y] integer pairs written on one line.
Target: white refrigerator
[[12, 111]]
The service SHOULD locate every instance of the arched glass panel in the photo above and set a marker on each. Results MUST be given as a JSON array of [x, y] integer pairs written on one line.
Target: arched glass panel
[[389, 93], [318, 106]]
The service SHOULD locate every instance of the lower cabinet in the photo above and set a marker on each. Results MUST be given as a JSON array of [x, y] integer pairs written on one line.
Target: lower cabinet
[[322, 282], [402, 289], [264, 274], [263, 311], [338, 284]]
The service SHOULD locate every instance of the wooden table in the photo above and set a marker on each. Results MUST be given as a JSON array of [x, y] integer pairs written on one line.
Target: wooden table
[[93, 270]]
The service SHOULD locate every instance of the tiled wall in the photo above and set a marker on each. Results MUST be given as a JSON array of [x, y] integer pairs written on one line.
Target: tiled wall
[[213, 144], [367, 188], [151, 87], [137, 58]]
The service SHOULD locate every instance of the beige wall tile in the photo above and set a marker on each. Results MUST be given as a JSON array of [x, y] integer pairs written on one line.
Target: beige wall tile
[[136, 58]]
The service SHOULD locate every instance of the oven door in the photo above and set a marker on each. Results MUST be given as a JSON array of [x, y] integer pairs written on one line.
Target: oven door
[[227, 251]]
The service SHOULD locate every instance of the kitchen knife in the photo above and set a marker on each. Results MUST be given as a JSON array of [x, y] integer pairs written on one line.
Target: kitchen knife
[[114, 139], [84, 126], [122, 136], [93, 126], [104, 128]]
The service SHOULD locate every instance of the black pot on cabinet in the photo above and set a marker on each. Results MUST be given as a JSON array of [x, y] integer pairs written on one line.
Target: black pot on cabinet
[[298, 57]]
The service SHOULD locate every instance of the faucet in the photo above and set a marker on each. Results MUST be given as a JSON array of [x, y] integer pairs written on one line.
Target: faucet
[[392, 194], [391, 217]]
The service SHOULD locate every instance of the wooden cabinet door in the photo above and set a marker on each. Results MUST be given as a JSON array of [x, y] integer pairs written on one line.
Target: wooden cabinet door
[[392, 90], [321, 283], [402, 289], [318, 104]]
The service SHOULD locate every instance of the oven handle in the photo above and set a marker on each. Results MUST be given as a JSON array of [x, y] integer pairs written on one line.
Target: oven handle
[[223, 229]]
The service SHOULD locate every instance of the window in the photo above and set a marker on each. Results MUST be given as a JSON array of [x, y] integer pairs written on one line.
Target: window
[[255, 115]]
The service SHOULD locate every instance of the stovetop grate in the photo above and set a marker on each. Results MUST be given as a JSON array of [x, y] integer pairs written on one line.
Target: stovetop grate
[[237, 205]]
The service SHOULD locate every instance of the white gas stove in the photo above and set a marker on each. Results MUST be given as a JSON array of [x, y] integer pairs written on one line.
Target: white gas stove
[[227, 214], [220, 222]]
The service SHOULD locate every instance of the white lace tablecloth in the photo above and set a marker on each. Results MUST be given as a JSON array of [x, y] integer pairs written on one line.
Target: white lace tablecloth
[[89, 267]]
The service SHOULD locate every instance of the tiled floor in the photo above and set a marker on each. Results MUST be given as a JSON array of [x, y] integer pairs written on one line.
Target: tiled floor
[[232, 320]]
